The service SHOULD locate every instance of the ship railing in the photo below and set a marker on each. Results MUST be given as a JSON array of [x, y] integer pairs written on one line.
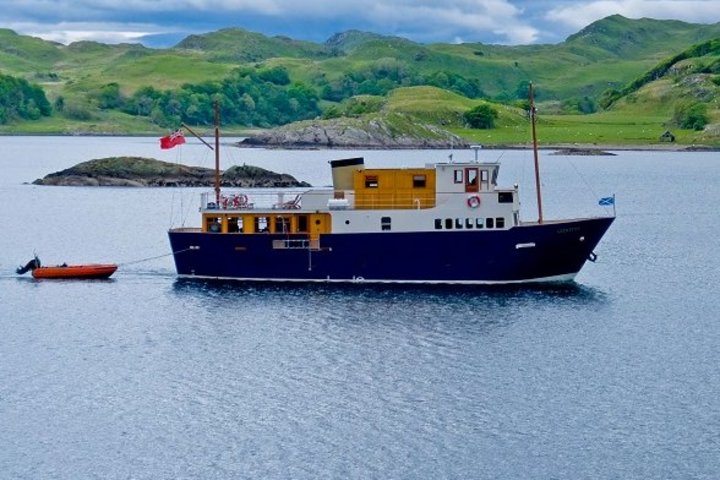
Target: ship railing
[[288, 199], [395, 200], [314, 199]]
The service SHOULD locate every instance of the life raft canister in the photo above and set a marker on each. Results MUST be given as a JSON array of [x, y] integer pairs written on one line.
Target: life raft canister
[[473, 201]]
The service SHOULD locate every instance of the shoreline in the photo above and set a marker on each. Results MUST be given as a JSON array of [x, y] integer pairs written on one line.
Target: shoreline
[[580, 148]]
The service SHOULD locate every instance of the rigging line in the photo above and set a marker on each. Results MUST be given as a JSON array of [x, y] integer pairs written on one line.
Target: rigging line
[[172, 208], [153, 258], [572, 164]]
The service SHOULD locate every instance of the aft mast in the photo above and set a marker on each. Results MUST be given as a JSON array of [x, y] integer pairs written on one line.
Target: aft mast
[[533, 120], [216, 105]]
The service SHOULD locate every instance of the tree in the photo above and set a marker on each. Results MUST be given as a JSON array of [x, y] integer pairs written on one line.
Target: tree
[[482, 116], [20, 99], [691, 116]]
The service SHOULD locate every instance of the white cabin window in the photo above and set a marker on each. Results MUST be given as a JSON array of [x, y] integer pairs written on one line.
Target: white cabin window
[[469, 223], [261, 224], [480, 222], [438, 224], [500, 222], [385, 223], [448, 223], [490, 222]]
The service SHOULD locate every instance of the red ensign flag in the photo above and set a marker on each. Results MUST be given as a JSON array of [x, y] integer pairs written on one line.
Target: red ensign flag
[[170, 141]]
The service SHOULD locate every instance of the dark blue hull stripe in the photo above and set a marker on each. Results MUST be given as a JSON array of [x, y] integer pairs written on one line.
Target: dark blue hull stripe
[[533, 253]]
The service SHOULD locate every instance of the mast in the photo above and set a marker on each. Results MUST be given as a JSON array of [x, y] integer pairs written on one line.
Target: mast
[[533, 119], [216, 106]]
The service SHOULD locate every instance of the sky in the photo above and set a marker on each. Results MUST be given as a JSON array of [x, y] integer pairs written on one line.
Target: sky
[[163, 23]]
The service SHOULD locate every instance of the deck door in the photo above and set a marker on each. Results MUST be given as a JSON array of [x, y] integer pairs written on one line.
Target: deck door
[[471, 180]]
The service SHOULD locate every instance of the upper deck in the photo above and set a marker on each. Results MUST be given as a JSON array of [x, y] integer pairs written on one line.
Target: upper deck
[[419, 198]]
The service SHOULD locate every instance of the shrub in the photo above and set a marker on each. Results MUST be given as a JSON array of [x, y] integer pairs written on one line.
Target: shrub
[[483, 116], [76, 111], [691, 116]]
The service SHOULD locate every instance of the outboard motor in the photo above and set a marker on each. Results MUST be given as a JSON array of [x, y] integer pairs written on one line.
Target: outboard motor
[[31, 265]]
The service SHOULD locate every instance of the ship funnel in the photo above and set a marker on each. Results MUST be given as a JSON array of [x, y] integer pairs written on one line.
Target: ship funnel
[[342, 172]]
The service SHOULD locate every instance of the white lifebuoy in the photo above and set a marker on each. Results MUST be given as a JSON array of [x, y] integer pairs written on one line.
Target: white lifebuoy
[[473, 201], [239, 201]]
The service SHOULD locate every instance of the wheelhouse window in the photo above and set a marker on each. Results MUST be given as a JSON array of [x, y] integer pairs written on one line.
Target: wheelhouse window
[[505, 197], [371, 181], [385, 223], [419, 181], [459, 176]]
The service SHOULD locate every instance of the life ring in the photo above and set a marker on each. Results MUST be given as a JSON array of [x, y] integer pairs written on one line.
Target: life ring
[[239, 201], [473, 201]]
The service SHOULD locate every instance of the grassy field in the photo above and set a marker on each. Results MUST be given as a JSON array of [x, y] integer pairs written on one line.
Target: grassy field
[[602, 129]]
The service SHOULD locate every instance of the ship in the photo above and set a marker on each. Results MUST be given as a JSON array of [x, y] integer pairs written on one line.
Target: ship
[[444, 223]]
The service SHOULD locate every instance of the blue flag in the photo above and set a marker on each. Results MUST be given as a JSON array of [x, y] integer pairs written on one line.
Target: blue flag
[[606, 201]]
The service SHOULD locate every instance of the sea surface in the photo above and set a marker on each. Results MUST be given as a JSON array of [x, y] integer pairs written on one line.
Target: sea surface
[[144, 376]]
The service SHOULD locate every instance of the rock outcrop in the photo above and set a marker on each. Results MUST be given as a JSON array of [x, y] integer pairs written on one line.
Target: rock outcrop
[[381, 132], [147, 172]]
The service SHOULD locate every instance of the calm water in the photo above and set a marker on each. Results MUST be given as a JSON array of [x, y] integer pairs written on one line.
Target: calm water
[[148, 377]]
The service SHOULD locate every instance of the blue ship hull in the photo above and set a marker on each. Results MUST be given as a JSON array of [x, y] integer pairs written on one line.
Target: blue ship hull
[[553, 251]]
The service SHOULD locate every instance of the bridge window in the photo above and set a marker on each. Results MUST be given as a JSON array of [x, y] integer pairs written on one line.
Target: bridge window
[[419, 181], [458, 176], [385, 223], [371, 181]]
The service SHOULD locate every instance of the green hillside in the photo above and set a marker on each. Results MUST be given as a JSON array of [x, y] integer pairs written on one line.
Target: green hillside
[[632, 69], [236, 45]]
